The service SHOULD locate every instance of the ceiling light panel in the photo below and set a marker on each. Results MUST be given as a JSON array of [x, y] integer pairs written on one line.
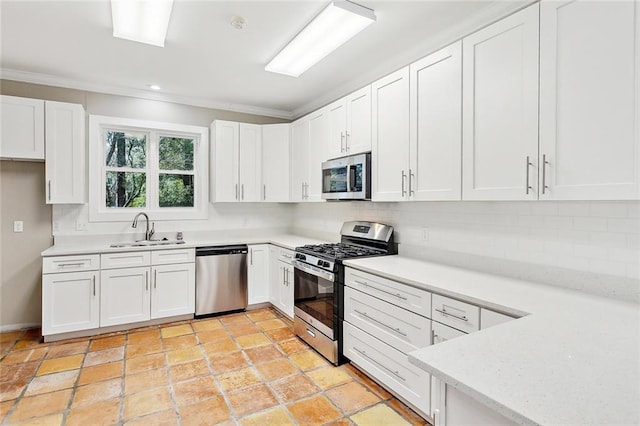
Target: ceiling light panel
[[335, 25], [144, 21]]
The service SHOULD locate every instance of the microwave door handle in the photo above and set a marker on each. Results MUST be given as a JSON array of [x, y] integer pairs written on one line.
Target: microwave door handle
[[352, 178], [348, 178]]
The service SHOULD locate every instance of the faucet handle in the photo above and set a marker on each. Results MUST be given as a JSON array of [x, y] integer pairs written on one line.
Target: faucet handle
[[152, 231]]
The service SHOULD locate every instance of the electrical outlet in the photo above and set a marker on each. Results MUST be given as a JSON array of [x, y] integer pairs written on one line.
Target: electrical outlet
[[81, 226], [18, 226]]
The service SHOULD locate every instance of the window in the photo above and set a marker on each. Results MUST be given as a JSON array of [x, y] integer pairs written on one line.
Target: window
[[159, 168]]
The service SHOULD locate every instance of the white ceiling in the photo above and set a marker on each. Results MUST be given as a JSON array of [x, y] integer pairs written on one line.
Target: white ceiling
[[207, 62]]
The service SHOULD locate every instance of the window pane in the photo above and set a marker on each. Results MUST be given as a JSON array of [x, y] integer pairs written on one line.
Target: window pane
[[176, 190], [176, 153], [126, 189], [124, 149]]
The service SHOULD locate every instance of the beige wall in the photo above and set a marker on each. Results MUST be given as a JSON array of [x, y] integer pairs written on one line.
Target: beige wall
[[22, 198], [22, 191]]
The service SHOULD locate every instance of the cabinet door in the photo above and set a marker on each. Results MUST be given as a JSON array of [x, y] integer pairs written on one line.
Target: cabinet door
[[275, 276], [258, 274], [275, 162], [65, 153], [337, 113], [436, 126], [500, 109], [70, 302], [250, 153], [286, 289], [358, 134], [390, 133], [174, 290], [299, 158], [125, 296], [22, 130], [318, 145], [224, 153], [590, 100]]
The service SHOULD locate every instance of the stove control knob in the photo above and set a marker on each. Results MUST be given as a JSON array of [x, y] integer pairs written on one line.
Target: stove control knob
[[325, 264], [301, 256], [320, 262]]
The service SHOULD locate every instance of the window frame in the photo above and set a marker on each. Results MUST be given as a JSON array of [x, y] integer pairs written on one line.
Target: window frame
[[99, 212]]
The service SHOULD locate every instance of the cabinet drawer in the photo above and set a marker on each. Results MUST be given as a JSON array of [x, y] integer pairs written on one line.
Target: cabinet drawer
[[163, 257], [89, 262], [463, 316], [401, 329], [285, 255], [411, 298], [388, 366], [442, 333], [130, 259]]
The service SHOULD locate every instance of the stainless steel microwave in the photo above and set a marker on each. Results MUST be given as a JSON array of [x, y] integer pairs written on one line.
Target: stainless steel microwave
[[347, 178]]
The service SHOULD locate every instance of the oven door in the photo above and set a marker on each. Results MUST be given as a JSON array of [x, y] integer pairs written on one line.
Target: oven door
[[314, 293]]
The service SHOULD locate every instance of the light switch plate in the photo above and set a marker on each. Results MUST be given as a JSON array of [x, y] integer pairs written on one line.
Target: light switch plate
[[18, 226]]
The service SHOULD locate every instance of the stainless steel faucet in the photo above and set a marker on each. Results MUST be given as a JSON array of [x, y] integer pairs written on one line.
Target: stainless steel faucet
[[148, 233]]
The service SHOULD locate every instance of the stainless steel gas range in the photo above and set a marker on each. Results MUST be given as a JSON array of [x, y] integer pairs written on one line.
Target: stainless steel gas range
[[319, 283]]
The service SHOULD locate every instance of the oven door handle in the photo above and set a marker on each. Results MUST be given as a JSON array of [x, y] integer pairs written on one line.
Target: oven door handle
[[310, 269]]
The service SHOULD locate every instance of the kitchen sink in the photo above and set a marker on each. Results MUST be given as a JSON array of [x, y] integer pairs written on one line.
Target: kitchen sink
[[146, 243]]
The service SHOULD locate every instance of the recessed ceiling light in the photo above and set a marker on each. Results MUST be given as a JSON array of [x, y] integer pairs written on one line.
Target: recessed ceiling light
[[144, 21], [154, 87], [238, 22], [334, 26]]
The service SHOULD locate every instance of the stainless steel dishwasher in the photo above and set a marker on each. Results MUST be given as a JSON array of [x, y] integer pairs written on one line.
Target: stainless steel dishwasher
[[221, 279]]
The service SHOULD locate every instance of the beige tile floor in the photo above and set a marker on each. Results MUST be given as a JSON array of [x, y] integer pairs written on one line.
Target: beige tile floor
[[238, 369]]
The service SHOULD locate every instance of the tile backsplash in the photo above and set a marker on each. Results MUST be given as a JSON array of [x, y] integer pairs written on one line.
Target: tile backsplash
[[592, 246]]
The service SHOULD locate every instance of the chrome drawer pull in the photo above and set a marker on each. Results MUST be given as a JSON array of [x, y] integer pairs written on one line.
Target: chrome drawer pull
[[397, 330], [310, 333], [395, 373], [65, 265], [398, 295], [443, 312]]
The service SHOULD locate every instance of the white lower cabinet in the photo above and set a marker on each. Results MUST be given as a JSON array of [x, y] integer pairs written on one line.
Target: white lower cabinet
[[125, 296], [258, 274], [459, 409], [173, 292], [70, 301], [281, 279], [383, 321], [123, 288]]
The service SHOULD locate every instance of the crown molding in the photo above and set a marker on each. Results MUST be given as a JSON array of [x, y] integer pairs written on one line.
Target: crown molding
[[57, 81], [493, 12]]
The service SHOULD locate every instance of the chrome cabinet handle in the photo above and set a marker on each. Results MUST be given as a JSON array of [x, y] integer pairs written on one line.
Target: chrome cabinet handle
[[236, 191], [66, 265], [342, 142], [398, 295], [146, 280], [93, 280], [411, 175], [346, 145], [528, 186], [302, 190], [264, 192], [155, 278], [403, 178], [397, 330], [544, 173], [242, 192], [395, 373], [49, 186], [444, 312]]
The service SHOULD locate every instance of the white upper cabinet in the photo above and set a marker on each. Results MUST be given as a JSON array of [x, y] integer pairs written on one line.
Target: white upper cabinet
[[250, 158], [275, 162], [390, 137], [318, 144], [350, 124], [22, 130], [436, 126], [65, 153], [237, 160], [590, 100], [224, 159], [500, 109], [299, 159]]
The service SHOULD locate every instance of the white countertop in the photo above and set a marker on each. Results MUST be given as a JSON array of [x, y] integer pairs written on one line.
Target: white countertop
[[90, 245], [572, 359]]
